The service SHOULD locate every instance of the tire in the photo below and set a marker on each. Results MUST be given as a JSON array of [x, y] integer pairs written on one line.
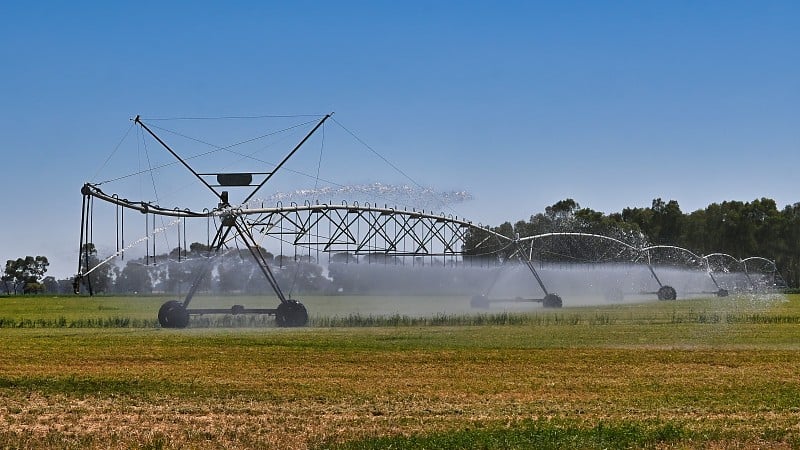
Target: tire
[[667, 293], [552, 301], [291, 313], [172, 314], [479, 302]]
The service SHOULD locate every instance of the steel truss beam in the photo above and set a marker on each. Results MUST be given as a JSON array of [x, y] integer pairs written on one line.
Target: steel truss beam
[[356, 229], [364, 230]]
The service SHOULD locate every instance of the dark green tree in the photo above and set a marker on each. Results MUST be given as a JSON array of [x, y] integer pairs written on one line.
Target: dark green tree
[[25, 274], [101, 277], [50, 285], [134, 278]]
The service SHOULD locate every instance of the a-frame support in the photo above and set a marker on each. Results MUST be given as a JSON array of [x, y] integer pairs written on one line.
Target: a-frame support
[[175, 314]]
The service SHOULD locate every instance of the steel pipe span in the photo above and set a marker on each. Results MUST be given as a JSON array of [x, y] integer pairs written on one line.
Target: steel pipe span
[[766, 262], [696, 258], [625, 248], [577, 234], [719, 261]]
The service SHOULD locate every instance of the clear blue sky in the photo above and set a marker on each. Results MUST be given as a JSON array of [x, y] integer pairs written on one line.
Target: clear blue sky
[[520, 103]]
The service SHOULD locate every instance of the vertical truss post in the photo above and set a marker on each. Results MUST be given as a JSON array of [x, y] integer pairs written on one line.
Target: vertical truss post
[[653, 273], [530, 266]]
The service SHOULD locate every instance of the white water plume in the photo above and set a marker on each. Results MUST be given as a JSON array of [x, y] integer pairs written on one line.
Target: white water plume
[[418, 197], [135, 243]]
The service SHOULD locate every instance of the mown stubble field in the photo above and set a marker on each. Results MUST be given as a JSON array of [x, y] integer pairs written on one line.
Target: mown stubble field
[[716, 373]]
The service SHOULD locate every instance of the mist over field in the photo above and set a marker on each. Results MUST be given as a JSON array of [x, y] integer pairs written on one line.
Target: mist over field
[[428, 289]]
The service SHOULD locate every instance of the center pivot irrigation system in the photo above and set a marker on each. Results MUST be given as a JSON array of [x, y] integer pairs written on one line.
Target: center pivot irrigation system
[[357, 229], [377, 233]]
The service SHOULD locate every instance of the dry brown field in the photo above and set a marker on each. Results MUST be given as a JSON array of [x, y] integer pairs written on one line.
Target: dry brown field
[[715, 373]]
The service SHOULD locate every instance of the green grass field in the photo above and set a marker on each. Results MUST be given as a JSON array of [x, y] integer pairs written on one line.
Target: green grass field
[[99, 373]]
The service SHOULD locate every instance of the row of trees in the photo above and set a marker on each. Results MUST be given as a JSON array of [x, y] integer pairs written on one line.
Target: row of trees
[[741, 229], [234, 271]]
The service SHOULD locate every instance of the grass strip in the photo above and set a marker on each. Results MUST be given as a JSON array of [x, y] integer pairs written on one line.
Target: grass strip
[[539, 434]]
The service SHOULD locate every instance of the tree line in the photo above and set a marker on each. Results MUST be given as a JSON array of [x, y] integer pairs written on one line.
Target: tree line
[[234, 271], [740, 229]]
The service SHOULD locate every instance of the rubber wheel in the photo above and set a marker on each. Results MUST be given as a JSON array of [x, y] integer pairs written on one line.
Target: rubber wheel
[[722, 293], [291, 313], [615, 294], [552, 301], [172, 314], [479, 302], [667, 293]]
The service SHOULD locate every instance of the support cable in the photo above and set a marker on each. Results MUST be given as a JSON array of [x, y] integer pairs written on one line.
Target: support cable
[[116, 225], [89, 214], [125, 136], [185, 254], [154, 240], [265, 116], [91, 220], [319, 163], [376, 153], [146, 247], [179, 241], [155, 189], [122, 233], [216, 149], [379, 155]]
